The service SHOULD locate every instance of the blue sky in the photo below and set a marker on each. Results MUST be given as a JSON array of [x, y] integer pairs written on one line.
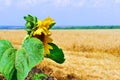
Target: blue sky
[[64, 12]]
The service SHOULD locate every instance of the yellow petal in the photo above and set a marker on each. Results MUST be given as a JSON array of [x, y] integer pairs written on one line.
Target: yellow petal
[[49, 40], [38, 32], [47, 22], [50, 47], [44, 32], [47, 52], [48, 33], [39, 22], [47, 49]]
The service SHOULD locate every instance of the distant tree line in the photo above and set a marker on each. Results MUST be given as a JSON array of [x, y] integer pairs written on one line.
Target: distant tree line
[[66, 27], [86, 27]]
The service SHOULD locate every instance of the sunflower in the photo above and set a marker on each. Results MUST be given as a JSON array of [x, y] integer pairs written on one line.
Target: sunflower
[[42, 32], [43, 26], [46, 42]]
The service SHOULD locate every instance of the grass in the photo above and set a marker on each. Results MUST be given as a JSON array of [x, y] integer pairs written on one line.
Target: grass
[[90, 54]]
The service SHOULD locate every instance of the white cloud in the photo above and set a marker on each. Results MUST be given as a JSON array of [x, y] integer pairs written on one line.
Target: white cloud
[[54, 3], [29, 3], [100, 3], [81, 3], [24, 4], [69, 3], [61, 3], [8, 2], [5, 3], [117, 1]]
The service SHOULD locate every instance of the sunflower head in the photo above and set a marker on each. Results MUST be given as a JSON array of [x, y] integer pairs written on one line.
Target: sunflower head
[[41, 30]]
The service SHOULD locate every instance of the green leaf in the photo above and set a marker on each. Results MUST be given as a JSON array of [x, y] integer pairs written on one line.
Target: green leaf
[[4, 45], [7, 59], [56, 54], [40, 76], [51, 25], [31, 23], [14, 77], [28, 18], [31, 53], [34, 19]]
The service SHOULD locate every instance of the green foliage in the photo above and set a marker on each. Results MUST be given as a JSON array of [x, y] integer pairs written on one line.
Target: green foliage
[[51, 25], [31, 23], [39, 76], [56, 54], [23, 60], [4, 45], [16, 64], [7, 59], [86, 27], [31, 53]]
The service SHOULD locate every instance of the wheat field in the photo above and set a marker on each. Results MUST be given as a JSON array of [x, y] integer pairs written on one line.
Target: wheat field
[[90, 54]]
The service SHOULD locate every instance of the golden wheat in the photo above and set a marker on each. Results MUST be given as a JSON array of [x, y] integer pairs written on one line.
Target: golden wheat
[[84, 66], [88, 40], [75, 40], [90, 54]]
